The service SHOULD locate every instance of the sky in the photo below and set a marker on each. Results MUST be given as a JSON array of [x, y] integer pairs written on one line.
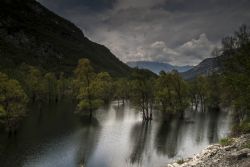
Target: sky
[[179, 32]]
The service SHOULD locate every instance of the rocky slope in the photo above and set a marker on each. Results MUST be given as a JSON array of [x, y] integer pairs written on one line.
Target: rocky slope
[[31, 34], [237, 154]]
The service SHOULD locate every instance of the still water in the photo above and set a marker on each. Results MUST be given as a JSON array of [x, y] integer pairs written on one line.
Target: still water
[[115, 137]]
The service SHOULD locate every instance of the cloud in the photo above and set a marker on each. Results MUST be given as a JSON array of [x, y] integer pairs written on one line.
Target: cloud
[[189, 53], [196, 50], [158, 44], [126, 4], [176, 31]]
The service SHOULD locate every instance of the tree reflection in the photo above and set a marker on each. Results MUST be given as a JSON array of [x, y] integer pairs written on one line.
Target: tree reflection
[[168, 136], [200, 118], [120, 111], [212, 132], [139, 137], [88, 139]]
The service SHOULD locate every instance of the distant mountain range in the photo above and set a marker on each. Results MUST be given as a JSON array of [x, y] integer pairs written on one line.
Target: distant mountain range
[[156, 67], [31, 34], [205, 67]]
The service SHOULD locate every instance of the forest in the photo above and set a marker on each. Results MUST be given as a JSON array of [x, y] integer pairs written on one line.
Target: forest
[[227, 87]]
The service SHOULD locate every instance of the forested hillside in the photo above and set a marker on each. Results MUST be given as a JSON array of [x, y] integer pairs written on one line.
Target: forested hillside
[[31, 34]]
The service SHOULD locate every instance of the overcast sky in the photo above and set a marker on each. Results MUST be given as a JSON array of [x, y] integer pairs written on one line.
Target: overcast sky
[[180, 32]]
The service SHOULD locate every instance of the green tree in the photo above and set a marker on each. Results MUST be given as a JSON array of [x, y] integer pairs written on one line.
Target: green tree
[[236, 49], [214, 91], [164, 92], [103, 86], [171, 93], [122, 89], [180, 89], [202, 91], [193, 94], [87, 94], [34, 84], [51, 86], [63, 86], [13, 102], [205, 91], [142, 93]]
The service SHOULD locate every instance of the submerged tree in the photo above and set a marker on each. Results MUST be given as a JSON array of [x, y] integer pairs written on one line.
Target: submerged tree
[[103, 86], [193, 94], [142, 94], [180, 89], [34, 83], [214, 93], [171, 93], [206, 92], [94, 89], [51, 87], [202, 91], [41, 86], [63, 86], [84, 75], [13, 102], [122, 90], [164, 92]]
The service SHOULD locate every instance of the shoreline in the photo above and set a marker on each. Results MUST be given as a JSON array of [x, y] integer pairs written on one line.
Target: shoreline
[[233, 154]]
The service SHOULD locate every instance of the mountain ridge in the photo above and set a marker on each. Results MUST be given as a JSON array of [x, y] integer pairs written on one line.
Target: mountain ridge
[[31, 34], [206, 67], [156, 67]]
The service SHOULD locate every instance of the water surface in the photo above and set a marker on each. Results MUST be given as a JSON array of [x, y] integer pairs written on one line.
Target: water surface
[[116, 136]]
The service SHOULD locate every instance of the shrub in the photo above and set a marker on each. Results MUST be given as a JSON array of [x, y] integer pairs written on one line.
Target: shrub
[[180, 161], [246, 145], [242, 128], [226, 141]]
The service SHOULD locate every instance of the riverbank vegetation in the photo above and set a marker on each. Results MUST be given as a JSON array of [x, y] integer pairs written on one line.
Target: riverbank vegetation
[[228, 86], [13, 102]]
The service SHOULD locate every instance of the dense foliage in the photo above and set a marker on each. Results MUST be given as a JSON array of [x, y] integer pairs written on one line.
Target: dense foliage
[[236, 72], [168, 92], [29, 84], [230, 86], [92, 89], [13, 102], [171, 93], [142, 92]]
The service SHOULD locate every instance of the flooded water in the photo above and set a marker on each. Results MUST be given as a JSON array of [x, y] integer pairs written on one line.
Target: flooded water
[[115, 137]]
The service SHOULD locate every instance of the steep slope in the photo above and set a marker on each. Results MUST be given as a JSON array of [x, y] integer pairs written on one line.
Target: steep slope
[[156, 67], [206, 67], [32, 34]]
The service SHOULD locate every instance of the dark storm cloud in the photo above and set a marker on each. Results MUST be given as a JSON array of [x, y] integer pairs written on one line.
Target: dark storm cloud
[[63, 5], [175, 31]]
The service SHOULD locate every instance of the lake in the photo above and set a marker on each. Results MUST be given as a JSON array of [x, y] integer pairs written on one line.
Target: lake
[[115, 137]]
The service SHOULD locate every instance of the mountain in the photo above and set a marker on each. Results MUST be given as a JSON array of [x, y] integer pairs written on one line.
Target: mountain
[[156, 67], [206, 67], [31, 34]]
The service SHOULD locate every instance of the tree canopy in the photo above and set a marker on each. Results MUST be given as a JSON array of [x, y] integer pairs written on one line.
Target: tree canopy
[[13, 102]]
